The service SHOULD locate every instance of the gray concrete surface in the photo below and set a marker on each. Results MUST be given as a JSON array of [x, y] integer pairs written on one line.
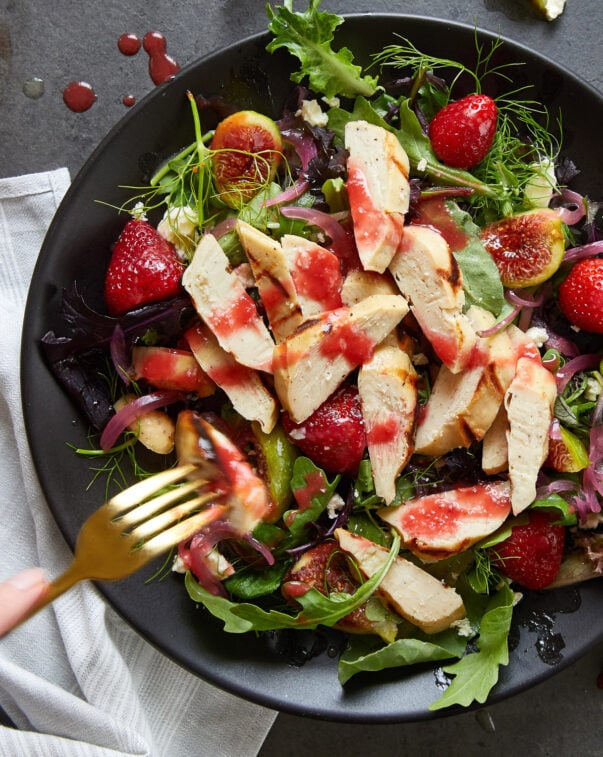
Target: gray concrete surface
[[65, 40]]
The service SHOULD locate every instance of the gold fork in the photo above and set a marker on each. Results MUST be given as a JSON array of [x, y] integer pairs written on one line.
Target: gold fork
[[135, 526]]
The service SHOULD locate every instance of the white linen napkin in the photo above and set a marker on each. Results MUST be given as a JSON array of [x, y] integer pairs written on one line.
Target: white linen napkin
[[76, 679]]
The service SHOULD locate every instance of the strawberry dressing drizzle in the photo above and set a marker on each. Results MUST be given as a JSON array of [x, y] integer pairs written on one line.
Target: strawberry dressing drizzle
[[78, 96], [128, 44], [162, 67]]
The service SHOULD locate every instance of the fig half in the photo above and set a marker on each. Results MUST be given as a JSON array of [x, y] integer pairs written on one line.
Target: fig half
[[247, 150], [527, 248]]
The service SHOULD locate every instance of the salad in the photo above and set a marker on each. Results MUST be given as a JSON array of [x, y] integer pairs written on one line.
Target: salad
[[375, 325]]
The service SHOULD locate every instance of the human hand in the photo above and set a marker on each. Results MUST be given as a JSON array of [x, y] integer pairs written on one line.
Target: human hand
[[18, 594]]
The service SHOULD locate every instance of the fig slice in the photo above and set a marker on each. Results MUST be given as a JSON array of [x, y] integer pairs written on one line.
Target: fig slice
[[527, 248], [247, 150]]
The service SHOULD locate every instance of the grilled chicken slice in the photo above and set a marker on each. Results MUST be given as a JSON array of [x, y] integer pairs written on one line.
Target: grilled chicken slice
[[495, 457], [224, 305], [311, 363], [429, 277], [316, 274], [529, 405], [241, 384], [378, 191], [273, 279], [463, 406], [439, 525], [358, 285], [387, 384], [412, 592]]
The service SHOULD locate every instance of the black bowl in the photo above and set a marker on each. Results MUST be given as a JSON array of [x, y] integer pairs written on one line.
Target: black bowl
[[549, 631]]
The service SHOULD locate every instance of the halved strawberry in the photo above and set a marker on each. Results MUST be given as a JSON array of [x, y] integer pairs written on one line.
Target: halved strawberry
[[333, 437], [144, 268], [462, 132], [581, 295], [532, 554]]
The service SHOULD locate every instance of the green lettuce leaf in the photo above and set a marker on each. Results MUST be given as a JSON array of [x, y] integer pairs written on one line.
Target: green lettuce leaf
[[306, 474], [308, 36], [477, 673]]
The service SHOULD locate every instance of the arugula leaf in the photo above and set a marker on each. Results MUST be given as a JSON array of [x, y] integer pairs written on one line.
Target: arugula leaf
[[317, 609], [477, 672], [363, 656], [308, 36]]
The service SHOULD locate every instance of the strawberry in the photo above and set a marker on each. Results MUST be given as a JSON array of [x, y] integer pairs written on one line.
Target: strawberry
[[333, 437], [462, 132], [144, 268], [581, 295], [532, 554]]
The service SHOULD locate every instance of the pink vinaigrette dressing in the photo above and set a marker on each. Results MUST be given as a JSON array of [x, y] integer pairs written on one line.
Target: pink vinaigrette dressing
[[79, 96], [348, 341]]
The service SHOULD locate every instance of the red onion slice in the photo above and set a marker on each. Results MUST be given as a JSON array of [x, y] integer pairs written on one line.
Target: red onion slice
[[586, 362], [583, 251], [133, 410]]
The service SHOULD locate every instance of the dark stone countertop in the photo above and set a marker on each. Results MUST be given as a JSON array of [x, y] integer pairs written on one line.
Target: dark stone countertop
[[62, 41]]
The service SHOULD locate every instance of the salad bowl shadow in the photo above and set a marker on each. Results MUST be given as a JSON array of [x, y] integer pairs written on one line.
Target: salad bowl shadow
[[293, 675]]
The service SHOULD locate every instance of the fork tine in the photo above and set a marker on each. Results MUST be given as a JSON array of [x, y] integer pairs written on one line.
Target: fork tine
[[156, 504], [135, 494], [167, 517], [183, 530]]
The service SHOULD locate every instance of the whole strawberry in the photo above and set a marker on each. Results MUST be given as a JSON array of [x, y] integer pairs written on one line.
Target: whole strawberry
[[144, 268], [532, 554], [333, 437], [581, 295], [462, 132]]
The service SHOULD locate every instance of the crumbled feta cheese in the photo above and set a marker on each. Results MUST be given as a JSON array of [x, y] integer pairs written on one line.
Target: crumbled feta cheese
[[422, 164], [335, 504], [332, 102], [463, 627], [550, 8], [179, 226], [178, 565], [297, 433], [312, 113], [538, 335], [420, 359], [592, 390], [138, 212]]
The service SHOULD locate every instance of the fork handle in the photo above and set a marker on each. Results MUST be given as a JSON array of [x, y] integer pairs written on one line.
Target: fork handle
[[55, 588]]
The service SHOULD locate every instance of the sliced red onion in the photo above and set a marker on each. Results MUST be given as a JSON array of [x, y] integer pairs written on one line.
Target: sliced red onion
[[341, 242], [194, 552], [288, 195], [303, 145], [555, 487], [561, 344], [571, 216], [583, 251], [555, 430], [133, 410], [223, 228], [524, 302], [119, 355], [586, 362]]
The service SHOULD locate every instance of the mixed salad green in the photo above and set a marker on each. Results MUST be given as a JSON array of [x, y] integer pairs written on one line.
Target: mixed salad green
[[265, 566]]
